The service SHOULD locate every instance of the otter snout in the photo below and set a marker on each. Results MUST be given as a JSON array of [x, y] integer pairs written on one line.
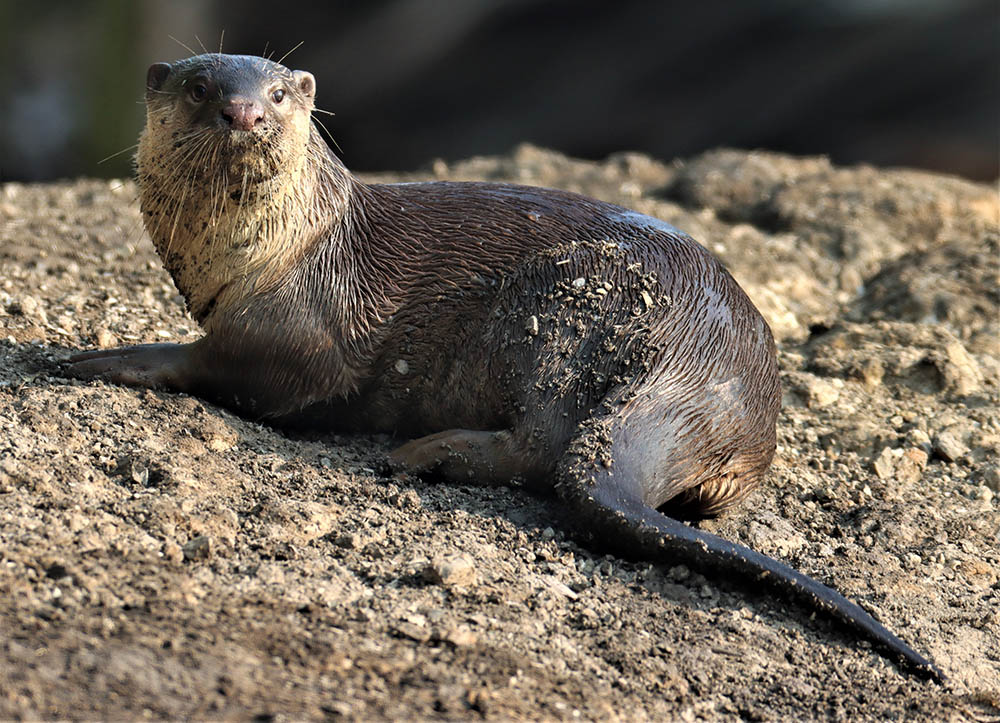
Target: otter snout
[[241, 114]]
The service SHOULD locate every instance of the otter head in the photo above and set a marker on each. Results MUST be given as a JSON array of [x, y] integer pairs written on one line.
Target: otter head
[[244, 117], [231, 172]]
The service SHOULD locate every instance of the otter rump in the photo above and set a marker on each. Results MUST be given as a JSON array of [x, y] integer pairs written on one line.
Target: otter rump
[[506, 332]]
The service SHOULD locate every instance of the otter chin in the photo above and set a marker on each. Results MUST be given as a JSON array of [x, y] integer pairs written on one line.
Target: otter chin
[[499, 332]]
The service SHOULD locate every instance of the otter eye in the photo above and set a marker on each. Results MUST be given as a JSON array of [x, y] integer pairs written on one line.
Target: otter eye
[[198, 92], [278, 95]]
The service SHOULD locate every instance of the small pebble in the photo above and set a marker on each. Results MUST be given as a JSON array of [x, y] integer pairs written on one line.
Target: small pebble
[[31, 308], [991, 476], [919, 438], [173, 552], [452, 570], [104, 338], [679, 573], [412, 631], [198, 548], [910, 467], [885, 464], [459, 636], [949, 446]]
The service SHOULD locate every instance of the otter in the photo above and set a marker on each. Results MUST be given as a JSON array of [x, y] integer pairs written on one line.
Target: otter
[[506, 332]]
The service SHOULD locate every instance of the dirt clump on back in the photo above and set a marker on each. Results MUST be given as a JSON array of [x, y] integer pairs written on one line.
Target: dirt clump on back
[[162, 557]]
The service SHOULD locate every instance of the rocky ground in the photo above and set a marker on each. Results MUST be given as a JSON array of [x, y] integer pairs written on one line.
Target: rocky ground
[[160, 557]]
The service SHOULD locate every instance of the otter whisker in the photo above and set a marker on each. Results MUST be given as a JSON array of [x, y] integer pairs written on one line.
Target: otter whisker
[[283, 57], [183, 45], [118, 153], [328, 133]]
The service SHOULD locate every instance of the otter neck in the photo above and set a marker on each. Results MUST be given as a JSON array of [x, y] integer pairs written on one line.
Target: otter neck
[[226, 242]]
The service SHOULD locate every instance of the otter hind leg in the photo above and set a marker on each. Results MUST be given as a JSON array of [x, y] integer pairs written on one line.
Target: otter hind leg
[[611, 499], [465, 455]]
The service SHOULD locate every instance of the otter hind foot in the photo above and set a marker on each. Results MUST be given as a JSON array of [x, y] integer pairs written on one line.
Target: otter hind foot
[[463, 455]]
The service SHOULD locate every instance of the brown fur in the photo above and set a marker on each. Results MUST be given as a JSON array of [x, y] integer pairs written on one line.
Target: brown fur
[[329, 286]]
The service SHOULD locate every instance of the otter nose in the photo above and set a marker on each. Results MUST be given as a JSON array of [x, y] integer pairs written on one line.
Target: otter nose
[[242, 115]]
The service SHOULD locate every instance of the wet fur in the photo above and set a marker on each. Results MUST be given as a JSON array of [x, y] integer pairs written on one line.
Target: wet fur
[[508, 331]]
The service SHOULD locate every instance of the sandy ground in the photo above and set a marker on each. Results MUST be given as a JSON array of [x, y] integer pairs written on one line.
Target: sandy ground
[[161, 557]]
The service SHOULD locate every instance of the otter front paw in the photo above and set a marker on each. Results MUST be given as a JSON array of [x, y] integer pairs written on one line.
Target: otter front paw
[[157, 366]]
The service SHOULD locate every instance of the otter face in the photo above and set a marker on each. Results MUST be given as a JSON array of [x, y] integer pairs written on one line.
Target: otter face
[[242, 117]]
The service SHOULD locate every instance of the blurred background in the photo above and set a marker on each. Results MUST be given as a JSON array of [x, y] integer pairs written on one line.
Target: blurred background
[[889, 82]]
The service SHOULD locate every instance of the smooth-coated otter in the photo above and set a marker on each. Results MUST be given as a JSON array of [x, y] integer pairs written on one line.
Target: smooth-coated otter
[[508, 332]]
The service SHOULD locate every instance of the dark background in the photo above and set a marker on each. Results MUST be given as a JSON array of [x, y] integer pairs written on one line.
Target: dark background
[[890, 82]]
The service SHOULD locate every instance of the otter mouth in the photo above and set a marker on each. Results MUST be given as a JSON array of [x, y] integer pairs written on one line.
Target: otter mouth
[[247, 158], [239, 139], [235, 143], [231, 159]]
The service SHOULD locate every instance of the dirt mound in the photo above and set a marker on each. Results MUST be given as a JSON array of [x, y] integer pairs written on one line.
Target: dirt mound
[[162, 557]]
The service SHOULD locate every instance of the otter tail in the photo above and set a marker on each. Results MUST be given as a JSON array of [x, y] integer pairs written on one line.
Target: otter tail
[[609, 497]]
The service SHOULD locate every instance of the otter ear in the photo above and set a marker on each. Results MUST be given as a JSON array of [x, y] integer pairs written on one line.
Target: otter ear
[[306, 83], [156, 75]]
